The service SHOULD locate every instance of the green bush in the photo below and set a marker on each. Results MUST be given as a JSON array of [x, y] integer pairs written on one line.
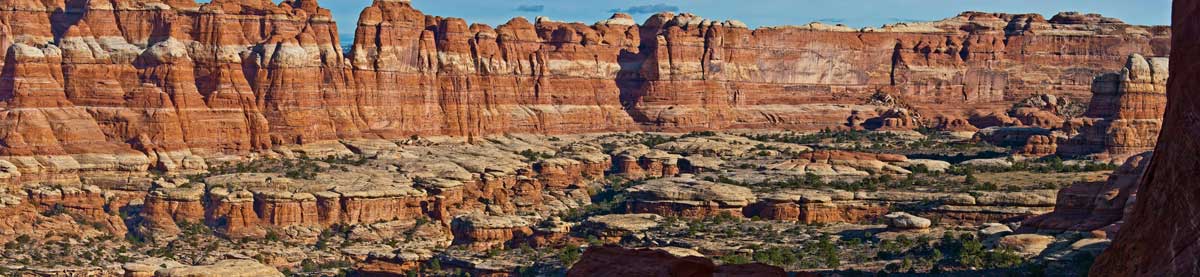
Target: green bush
[[569, 255], [776, 256], [735, 259]]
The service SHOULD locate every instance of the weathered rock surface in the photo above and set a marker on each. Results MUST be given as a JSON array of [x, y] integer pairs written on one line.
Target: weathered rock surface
[[688, 198], [1092, 206], [1125, 114], [131, 85], [613, 227], [995, 229], [905, 221], [834, 206], [483, 232], [231, 268], [1159, 236], [1026, 244], [828, 163], [639, 161], [812, 206], [436, 181]]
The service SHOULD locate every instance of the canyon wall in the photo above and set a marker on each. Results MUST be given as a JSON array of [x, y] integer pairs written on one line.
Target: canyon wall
[[138, 84], [1159, 238]]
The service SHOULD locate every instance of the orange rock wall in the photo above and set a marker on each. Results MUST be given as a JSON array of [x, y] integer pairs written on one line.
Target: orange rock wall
[[165, 79]]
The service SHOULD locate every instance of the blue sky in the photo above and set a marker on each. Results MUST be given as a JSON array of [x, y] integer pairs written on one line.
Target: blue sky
[[855, 13]]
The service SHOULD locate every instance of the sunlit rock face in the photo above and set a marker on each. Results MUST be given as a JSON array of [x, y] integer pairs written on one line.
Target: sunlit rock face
[[137, 84], [1125, 114]]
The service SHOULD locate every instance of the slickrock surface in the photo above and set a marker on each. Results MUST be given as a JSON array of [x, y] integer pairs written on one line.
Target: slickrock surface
[[689, 198], [616, 226], [438, 182], [1159, 236], [842, 163], [138, 84], [230, 268], [522, 203]]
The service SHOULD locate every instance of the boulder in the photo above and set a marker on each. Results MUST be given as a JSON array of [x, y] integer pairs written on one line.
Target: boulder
[[995, 229], [1026, 244], [902, 220]]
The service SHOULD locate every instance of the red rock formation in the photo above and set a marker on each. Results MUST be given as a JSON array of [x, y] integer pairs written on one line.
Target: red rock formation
[[482, 232], [993, 119], [599, 261], [163, 83], [1039, 146], [1091, 206], [688, 198], [641, 162], [563, 173], [1159, 237], [1125, 114], [708, 74], [85, 203], [832, 156], [815, 212]]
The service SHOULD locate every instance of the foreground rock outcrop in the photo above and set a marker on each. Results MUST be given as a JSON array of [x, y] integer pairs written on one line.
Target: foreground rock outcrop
[[1159, 237], [1092, 206], [138, 84]]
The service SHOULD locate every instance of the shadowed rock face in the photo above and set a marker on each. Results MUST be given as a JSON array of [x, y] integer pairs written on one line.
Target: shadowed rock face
[[1160, 238], [154, 83], [1098, 207]]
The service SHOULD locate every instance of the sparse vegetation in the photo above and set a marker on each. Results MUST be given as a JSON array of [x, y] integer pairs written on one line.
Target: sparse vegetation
[[534, 156]]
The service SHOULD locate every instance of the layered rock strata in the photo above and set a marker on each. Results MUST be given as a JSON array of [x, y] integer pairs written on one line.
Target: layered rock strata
[[613, 228], [483, 232], [135, 84], [814, 207], [1125, 114], [438, 183], [835, 206], [688, 198]]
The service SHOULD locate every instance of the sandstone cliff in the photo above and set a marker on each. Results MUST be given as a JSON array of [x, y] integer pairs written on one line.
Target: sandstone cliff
[[135, 84], [1159, 238], [1125, 113]]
